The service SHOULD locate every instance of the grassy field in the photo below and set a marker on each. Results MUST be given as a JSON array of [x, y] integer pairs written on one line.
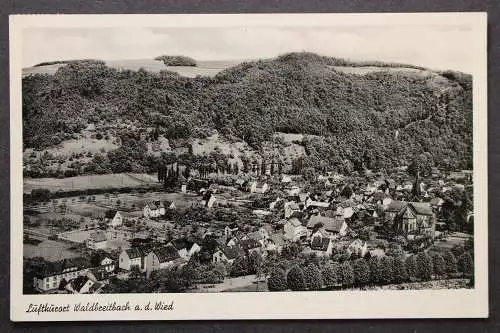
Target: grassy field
[[203, 68], [88, 182], [50, 250]]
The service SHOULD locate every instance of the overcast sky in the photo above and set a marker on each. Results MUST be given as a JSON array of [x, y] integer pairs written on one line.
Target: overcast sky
[[429, 46]]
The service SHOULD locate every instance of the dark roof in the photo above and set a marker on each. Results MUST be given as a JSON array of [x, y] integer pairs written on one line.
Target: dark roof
[[135, 252], [166, 254], [330, 224], [110, 213], [79, 282], [55, 268], [207, 195], [396, 206], [232, 252], [422, 208], [248, 244], [181, 243], [320, 243]]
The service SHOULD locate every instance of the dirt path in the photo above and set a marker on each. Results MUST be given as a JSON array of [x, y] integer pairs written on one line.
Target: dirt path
[[230, 283]]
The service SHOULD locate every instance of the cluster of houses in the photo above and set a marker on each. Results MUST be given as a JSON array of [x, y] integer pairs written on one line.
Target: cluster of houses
[[321, 222]]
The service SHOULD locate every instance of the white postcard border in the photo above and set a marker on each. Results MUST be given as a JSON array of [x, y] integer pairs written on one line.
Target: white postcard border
[[471, 303]]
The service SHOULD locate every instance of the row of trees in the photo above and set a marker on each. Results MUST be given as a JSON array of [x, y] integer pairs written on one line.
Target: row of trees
[[375, 271]]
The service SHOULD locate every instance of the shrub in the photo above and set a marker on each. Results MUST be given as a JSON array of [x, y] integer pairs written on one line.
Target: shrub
[[361, 272], [347, 274], [400, 274], [330, 274], [313, 278], [424, 266], [465, 263], [438, 265], [450, 262], [386, 269], [411, 267], [374, 264], [295, 279], [277, 280]]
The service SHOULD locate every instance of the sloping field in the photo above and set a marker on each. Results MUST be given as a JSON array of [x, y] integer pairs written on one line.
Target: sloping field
[[91, 181], [203, 68]]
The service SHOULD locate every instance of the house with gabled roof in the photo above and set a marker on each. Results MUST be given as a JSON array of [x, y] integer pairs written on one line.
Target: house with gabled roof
[[97, 240], [275, 243], [294, 230], [52, 274], [413, 219], [133, 257], [250, 245], [161, 258], [184, 247], [114, 218], [322, 246], [336, 227], [227, 254], [208, 199]]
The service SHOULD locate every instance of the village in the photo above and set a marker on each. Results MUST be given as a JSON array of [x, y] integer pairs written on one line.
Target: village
[[265, 232]]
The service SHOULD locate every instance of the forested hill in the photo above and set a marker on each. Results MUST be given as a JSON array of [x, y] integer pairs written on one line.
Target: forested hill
[[365, 114]]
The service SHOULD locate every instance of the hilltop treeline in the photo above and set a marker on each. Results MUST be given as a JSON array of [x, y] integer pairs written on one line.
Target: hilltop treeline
[[176, 60], [377, 120]]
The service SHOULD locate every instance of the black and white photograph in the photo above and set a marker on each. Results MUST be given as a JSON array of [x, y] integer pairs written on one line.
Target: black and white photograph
[[330, 156]]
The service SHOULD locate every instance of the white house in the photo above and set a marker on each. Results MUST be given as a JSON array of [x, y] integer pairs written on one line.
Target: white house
[[135, 256], [161, 258], [184, 248], [208, 199], [293, 230], [51, 275], [108, 264], [335, 227], [115, 219], [286, 179]]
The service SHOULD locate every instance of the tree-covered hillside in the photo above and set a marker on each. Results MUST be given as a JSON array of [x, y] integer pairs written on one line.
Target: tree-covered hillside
[[380, 119]]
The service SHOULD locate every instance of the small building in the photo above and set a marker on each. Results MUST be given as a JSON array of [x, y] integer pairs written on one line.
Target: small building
[[227, 254], [250, 245], [294, 230], [184, 248], [275, 243], [133, 257], [83, 284], [335, 227], [208, 199], [322, 245], [97, 240], [161, 258], [114, 218]]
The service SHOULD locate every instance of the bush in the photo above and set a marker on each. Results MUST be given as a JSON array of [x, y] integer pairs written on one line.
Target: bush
[[277, 280], [438, 265], [330, 274], [374, 264], [400, 274], [313, 278], [361, 272], [347, 274], [424, 266], [450, 262], [411, 267], [295, 279], [386, 269], [466, 264]]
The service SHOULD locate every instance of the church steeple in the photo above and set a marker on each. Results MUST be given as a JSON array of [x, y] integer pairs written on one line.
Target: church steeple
[[416, 190]]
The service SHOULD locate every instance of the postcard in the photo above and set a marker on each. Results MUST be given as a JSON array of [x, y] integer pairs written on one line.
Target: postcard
[[270, 166]]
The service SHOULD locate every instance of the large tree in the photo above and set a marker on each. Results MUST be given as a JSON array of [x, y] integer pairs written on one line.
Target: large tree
[[295, 279], [313, 278], [277, 280], [424, 266]]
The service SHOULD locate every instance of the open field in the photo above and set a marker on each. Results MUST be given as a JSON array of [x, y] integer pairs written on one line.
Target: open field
[[449, 241], [50, 250], [203, 68], [89, 182]]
